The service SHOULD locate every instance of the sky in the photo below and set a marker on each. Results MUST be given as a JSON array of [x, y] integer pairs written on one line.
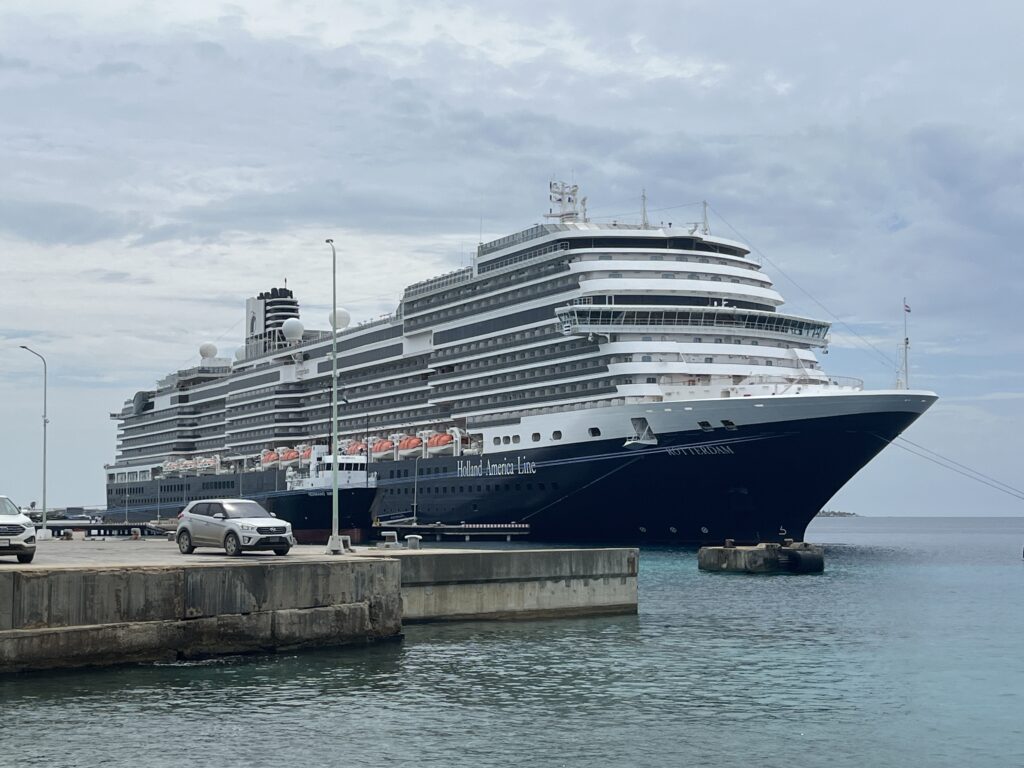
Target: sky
[[160, 162]]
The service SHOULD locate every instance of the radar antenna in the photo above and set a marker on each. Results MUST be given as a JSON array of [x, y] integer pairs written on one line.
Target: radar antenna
[[567, 197]]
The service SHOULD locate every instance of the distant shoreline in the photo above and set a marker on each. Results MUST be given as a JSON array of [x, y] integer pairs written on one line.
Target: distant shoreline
[[836, 513]]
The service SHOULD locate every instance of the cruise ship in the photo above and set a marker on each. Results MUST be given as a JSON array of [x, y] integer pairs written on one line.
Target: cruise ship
[[613, 381]]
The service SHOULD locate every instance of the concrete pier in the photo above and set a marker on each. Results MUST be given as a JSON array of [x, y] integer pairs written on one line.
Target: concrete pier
[[794, 557], [115, 601]]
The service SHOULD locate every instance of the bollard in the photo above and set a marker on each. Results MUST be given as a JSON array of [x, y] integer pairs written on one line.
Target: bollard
[[136, 534], [412, 541], [67, 535]]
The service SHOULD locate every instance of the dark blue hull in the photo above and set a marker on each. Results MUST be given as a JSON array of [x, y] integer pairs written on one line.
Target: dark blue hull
[[751, 484], [311, 512]]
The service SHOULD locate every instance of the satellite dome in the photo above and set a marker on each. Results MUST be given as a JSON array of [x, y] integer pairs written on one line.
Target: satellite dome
[[208, 350], [240, 354], [292, 329], [339, 319]]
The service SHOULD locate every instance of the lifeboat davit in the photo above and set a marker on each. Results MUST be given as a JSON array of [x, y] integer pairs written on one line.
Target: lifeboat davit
[[409, 446], [355, 449], [382, 449], [438, 444]]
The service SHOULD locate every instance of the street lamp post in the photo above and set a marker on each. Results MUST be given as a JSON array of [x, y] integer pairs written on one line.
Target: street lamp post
[[43, 534], [334, 543], [415, 489]]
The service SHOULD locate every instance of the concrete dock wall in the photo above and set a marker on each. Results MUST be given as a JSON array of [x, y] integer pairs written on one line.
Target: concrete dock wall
[[83, 616], [518, 584], [119, 605]]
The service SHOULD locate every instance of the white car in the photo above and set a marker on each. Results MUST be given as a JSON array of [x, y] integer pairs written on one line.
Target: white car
[[17, 532], [237, 525]]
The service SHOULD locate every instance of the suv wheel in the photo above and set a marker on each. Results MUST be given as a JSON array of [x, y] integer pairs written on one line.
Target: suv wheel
[[185, 543], [282, 551], [27, 557], [232, 546]]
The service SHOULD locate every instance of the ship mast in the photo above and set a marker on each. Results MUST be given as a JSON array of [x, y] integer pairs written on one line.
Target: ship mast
[[567, 197], [906, 346]]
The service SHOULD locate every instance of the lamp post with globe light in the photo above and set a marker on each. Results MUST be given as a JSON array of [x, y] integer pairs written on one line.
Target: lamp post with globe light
[[339, 320], [44, 531]]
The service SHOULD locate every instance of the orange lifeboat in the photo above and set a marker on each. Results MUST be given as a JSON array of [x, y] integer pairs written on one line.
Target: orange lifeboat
[[440, 444], [269, 458], [382, 449], [409, 446], [306, 453], [355, 449], [288, 456]]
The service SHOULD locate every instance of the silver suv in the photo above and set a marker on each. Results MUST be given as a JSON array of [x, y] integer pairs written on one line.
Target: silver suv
[[237, 525], [17, 532]]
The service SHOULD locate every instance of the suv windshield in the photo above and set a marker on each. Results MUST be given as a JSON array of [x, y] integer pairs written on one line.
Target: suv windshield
[[7, 507], [237, 509]]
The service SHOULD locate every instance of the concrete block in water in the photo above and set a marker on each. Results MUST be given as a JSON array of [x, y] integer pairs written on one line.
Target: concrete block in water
[[798, 557], [518, 584]]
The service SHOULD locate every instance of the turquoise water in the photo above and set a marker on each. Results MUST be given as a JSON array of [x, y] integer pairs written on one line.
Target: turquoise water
[[908, 650]]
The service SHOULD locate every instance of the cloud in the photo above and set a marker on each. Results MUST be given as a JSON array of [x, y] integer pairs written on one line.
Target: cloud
[[54, 222]]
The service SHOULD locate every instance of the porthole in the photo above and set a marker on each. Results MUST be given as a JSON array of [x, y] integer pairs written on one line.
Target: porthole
[[594, 432], [556, 435], [535, 437]]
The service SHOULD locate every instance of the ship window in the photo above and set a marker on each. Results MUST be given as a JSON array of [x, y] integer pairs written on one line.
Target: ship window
[[556, 435], [645, 359], [705, 425], [697, 339], [769, 362], [515, 438], [719, 340], [497, 441], [729, 425], [647, 338], [535, 437], [594, 432], [614, 274], [506, 439], [709, 359], [668, 275], [652, 380], [606, 257]]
